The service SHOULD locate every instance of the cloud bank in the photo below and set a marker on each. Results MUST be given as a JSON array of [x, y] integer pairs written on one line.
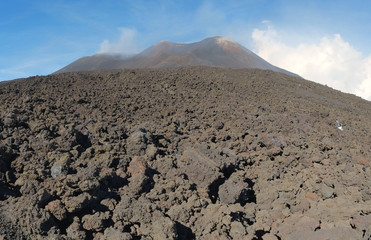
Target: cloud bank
[[125, 45], [331, 61]]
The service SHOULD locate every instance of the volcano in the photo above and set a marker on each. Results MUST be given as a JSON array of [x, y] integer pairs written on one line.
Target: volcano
[[213, 52]]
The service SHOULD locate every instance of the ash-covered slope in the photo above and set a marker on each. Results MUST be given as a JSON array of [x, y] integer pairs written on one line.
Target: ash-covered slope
[[95, 62], [183, 153], [214, 52]]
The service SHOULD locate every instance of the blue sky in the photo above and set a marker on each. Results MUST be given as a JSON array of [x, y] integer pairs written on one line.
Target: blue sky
[[39, 37]]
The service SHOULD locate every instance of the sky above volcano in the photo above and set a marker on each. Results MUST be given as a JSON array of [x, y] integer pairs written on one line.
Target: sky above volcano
[[323, 41]]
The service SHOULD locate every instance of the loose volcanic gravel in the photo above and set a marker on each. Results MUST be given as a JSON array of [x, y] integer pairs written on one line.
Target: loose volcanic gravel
[[183, 153]]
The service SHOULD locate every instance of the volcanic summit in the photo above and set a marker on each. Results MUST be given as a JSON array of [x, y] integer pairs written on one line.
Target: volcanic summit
[[212, 52]]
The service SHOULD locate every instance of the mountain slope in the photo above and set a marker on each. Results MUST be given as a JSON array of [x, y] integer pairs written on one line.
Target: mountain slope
[[214, 52], [95, 62], [183, 153]]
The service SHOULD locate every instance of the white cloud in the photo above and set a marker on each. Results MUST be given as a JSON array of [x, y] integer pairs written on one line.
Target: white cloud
[[331, 61], [125, 45]]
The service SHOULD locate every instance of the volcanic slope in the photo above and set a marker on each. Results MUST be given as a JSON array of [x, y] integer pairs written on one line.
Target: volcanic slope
[[183, 153], [214, 52]]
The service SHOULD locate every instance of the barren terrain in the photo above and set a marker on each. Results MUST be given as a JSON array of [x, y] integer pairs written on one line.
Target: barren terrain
[[183, 153]]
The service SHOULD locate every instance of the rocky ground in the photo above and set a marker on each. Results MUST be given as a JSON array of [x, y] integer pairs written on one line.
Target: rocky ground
[[185, 153]]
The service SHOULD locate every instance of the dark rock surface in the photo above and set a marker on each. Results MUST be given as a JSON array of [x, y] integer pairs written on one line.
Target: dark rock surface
[[183, 153]]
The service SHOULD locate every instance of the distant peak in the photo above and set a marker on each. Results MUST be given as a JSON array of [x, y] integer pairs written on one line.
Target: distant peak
[[222, 39], [164, 42], [219, 39], [216, 51]]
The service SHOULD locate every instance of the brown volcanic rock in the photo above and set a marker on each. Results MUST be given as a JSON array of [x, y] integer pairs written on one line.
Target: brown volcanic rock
[[182, 153]]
